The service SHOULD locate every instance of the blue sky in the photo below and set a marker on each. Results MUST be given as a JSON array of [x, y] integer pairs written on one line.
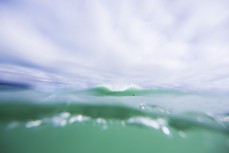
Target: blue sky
[[166, 43]]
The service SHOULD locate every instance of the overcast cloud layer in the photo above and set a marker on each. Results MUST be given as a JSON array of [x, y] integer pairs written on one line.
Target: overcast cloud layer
[[150, 43]]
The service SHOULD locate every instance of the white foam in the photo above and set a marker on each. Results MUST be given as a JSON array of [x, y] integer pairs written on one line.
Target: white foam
[[120, 87]]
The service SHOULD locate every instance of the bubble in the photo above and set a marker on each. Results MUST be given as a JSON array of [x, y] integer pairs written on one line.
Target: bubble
[[77, 118], [182, 134], [144, 122], [65, 115], [100, 121], [33, 123], [57, 121], [13, 125], [165, 130]]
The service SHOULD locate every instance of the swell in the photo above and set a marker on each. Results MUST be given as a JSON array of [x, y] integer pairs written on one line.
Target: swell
[[105, 91], [25, 111], [186, 121]]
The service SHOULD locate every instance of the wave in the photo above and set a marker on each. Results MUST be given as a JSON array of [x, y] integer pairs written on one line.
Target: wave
[[130, 115], [131, 91]]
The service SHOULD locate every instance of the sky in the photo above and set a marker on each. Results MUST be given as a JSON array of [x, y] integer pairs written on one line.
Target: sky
[[85, 43]]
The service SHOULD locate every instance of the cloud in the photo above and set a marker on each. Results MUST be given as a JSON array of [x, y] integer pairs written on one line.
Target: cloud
[[150, 43]]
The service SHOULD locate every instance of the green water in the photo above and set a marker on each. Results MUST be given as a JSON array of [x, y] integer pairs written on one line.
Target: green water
[[104, 121]]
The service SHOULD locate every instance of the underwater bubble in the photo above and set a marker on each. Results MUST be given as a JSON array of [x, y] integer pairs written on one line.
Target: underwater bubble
[[35, 123], [182, 134], [77, 118], [144, 121], [165, 130], [64, 115], [13, 124], [57, 121], [100, 121]]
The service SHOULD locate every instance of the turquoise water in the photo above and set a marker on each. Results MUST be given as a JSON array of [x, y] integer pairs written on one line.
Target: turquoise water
[[105, 120]]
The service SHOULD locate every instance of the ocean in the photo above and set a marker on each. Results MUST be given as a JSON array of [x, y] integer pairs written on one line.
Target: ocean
[[102, 120]]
